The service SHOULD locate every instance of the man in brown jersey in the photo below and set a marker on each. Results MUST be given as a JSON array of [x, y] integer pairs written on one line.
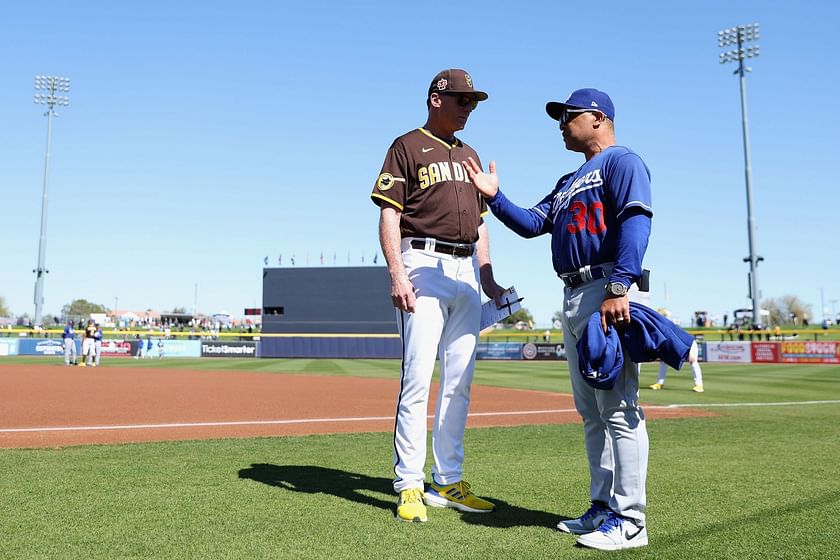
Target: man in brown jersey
[[435, 243]]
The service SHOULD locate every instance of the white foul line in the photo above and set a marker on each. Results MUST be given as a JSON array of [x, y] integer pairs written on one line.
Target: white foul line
[[791, 403], [256, 422], [368, 418]]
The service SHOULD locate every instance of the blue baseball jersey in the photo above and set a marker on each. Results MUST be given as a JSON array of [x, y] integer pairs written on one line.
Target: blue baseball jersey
[[583, 213]]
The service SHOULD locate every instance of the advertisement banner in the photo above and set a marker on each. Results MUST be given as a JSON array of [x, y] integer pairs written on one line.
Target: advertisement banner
[[810, 352], [765, 352], [41, 347], [116, 348], [730, 352], [8, 346], [223, 349], [499, 351], [181, 348], [543, 351]]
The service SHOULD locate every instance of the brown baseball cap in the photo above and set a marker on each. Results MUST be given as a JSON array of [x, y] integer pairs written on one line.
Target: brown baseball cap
[[455, 80]]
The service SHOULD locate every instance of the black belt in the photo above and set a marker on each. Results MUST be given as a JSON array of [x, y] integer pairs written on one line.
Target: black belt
[[575, 279], [455, 249]]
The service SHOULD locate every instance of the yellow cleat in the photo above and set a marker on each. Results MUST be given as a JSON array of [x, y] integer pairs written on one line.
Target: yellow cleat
[[698, 389], [656, 386], [458, 496], [410, 507]]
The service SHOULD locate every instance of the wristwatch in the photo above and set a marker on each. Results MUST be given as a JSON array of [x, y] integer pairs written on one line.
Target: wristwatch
[[616, 289]]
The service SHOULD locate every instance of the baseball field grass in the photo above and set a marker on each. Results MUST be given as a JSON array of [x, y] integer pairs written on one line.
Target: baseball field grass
[[759, 479]]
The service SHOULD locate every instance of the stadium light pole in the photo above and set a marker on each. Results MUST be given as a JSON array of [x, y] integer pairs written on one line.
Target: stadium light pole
[[51, 85], [738, 36]]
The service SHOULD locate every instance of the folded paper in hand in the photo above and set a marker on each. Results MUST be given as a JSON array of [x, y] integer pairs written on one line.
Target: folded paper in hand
[[491, 313]]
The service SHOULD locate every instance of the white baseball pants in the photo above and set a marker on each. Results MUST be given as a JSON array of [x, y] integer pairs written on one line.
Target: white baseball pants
[[69, 350], [696, 372], [87, 350], [445, 324], [614, 428]]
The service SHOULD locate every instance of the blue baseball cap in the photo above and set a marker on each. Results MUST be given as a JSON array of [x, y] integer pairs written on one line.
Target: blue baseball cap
[[586, 98], [600, 358]]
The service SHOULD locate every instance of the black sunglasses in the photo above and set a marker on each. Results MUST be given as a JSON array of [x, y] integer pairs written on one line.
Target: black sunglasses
[[567, 115], [463, 99]]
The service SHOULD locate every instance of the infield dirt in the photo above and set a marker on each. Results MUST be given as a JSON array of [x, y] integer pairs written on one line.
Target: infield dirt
[[53, 406]]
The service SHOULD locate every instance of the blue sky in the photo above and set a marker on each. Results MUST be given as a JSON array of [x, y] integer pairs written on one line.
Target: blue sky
[[203, 136]]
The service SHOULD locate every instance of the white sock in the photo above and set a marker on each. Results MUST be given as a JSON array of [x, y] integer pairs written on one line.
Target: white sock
[[698, 375]]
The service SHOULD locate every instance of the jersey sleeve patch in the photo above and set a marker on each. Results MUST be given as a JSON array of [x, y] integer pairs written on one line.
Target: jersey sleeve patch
[[385, 181]]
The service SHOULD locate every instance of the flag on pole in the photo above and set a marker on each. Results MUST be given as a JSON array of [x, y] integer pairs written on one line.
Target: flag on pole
[[322, 257], [265, 260], [280, 260], [293, 259], [375, 257]]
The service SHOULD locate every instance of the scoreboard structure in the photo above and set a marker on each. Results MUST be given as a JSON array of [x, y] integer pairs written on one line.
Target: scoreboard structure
[[328, 312]]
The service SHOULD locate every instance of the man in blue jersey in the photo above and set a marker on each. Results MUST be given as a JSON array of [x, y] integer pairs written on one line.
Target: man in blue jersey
[[69, 337], [599, 218], [97, 345]]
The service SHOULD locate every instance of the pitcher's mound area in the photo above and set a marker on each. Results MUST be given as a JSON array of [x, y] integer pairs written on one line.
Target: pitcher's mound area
[[50, 405]]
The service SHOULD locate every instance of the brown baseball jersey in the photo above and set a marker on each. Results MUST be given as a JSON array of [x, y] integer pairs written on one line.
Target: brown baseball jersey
[[423, 178]]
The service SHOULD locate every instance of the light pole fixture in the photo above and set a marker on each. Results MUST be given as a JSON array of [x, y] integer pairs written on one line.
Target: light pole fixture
[[739, 36], [52, 85]]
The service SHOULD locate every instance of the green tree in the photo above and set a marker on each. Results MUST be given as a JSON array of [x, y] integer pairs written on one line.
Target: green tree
[[778, 315], [81, 309], [179, 310], [784, 309], [4, 311], [521, 315]]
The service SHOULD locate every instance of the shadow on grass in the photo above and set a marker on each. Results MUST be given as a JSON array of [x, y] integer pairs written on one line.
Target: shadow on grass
[[310, 479], [355, 487], [507, 515]]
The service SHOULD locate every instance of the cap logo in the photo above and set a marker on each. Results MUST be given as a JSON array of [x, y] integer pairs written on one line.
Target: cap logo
[[469, 80], [593, 104], [441, 84]]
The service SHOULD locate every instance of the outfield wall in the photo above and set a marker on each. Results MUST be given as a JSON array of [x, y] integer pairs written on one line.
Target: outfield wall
[[389, 346]]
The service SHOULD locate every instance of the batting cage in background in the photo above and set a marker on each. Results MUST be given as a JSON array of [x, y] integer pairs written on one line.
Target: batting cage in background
[[328, 312]]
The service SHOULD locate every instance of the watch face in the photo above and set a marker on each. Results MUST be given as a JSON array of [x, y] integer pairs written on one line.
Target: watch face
[[617, 289]]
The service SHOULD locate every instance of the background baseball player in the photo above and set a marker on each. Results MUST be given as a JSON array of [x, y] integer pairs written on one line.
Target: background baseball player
[[696, 372], [435, 243], [69, 337], [97, 345], [599, 217], [89, 343]]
